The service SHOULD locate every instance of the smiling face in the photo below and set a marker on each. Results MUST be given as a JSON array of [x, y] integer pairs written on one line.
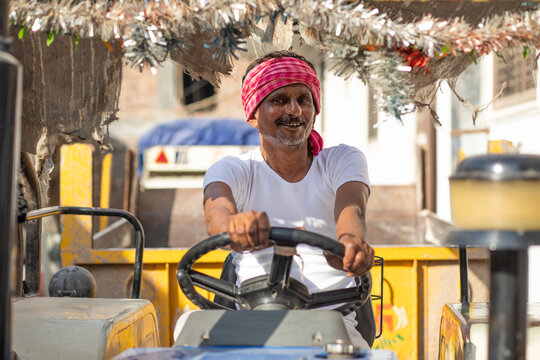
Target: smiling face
[[286, 116]]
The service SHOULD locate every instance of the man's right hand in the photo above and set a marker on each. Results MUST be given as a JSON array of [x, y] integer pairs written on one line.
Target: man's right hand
[[249, 231]]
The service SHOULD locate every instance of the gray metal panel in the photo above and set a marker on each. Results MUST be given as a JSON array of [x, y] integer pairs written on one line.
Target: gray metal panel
[[48, 328], [247, 353], [263, 328]]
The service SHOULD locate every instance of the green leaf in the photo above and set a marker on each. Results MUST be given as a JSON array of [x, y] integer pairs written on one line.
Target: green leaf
[[23, 32], [76, 43], [50, 38], [500, 55], [445, 49], [526, 51], [472, 56]]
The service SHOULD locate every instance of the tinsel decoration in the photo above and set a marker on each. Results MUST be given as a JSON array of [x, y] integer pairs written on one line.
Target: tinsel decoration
[[392, 89], [360, 39], [226, 43]]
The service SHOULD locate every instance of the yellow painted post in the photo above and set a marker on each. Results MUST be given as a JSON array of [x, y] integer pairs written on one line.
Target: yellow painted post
[[76, 190], [399, 306], [416, 310], [155, 287], [105, 188]]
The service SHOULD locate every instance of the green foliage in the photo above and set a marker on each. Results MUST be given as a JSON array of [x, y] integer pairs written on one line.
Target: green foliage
[[23, 32], [501, 56], [76, 43], [445, 49], [526, 51], [473, 56], [50, 38]]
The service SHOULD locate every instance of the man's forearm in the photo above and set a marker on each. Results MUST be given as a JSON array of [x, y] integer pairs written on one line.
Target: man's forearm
[[219, 206], [351, 223], [350, 231], [350, 210]]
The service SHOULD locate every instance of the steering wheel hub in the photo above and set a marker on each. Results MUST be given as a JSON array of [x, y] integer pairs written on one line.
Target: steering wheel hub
[[260, 296]]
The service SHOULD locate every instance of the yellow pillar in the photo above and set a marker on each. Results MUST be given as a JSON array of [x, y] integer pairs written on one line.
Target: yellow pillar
[[105, 188], [76, 190]]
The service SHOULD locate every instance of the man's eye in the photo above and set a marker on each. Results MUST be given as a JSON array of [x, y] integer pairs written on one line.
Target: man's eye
[[304, 100], [278, 101]]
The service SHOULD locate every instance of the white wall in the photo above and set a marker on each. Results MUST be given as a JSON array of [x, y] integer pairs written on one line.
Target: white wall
[[392, 155], [344, 111], [444, 152], [519, 124]]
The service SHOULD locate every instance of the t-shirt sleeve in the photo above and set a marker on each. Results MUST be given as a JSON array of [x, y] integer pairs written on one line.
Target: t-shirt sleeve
[[347, 163], [231, 171]]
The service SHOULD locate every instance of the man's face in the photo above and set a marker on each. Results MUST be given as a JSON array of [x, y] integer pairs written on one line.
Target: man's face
[[286, 116]]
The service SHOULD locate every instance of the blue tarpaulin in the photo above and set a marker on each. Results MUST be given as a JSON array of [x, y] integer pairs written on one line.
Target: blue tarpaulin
[[199, 132]]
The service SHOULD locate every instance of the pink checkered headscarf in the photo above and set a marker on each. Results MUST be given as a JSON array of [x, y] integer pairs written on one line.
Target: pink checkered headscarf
[[274, 74]]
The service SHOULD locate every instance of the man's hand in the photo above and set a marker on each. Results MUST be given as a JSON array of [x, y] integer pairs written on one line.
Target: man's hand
[[358, 258], [249, 230]]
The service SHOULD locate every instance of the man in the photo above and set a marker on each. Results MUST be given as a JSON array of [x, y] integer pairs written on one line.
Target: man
[[291, 181]]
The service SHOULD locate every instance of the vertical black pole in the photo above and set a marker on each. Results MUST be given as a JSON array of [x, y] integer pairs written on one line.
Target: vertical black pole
[[508, 305], [463, 275], [10, 97]]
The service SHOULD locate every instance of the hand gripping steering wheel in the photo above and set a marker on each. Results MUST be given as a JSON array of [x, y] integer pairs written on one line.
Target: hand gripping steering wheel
[[275, 291]]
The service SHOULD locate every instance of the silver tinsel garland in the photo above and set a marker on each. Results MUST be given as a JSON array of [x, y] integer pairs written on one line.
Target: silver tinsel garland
[[392, 55]]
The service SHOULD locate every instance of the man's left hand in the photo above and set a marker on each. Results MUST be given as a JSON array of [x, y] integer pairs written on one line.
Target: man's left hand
[[358, 258]]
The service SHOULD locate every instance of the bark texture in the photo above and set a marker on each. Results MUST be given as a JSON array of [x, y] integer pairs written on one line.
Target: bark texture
[[70, 91]]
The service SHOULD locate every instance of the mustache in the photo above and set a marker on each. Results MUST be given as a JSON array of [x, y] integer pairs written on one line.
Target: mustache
[[284, 120]]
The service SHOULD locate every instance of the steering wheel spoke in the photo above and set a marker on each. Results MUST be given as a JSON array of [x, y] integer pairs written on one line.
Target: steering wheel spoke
[[217, 286], [339, 296], [280, 270], [332, 297]]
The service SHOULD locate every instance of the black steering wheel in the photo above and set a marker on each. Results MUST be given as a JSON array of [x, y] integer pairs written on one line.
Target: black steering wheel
[[275, 291]]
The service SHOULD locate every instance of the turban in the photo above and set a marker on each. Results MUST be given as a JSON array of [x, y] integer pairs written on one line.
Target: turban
[[274, 74]]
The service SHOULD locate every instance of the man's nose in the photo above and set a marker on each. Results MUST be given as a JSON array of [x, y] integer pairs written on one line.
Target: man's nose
[[293, 108]]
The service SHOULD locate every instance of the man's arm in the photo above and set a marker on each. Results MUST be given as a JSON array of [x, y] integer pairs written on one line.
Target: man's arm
[[349, 213], [247, 230]]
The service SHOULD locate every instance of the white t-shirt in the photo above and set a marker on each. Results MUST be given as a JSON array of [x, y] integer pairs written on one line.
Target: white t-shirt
[[308, 203]]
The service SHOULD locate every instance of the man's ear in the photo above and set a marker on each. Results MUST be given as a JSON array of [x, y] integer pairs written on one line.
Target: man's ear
[[253, 121]]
